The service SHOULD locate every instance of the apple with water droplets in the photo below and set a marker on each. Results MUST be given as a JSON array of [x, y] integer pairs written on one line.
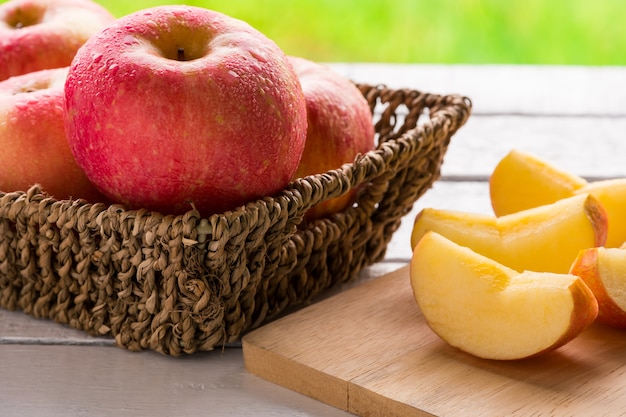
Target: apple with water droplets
[[174, 107], [45, 34], [339, 127], [33, 146]]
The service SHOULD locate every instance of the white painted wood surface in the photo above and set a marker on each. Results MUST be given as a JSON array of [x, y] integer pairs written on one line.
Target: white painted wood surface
[[573, 116]]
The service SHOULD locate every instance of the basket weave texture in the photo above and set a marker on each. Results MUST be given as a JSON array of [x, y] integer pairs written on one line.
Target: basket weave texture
[[182, 284]]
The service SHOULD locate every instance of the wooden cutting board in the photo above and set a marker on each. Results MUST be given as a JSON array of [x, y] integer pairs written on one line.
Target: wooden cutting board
[[369, 351]]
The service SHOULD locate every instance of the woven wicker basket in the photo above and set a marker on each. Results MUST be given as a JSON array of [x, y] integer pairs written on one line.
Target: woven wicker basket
[[181, 284]]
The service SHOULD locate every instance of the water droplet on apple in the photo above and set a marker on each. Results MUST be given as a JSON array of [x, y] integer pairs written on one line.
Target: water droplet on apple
[[152, 24], [255, 67], [129, 40], [96, 57], [113, 68], [259, 56]]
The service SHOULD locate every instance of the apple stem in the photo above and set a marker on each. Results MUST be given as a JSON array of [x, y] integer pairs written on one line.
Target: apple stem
[[181, 53]]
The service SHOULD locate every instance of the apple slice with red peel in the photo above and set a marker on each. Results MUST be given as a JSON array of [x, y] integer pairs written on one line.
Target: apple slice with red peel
[[612, 195], [491, 311], [604, 271], [545, 238]]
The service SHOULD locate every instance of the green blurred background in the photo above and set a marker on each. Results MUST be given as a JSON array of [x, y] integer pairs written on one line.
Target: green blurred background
[[571, 32]]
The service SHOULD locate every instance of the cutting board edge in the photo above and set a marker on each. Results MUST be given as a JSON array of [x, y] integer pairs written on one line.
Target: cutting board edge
[[294, 376], [361, 403]]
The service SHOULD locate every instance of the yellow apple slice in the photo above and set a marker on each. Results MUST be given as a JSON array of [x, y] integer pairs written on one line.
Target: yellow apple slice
[[612, 195], [545, 238], [604, 271], [521, 181], [491, 311]]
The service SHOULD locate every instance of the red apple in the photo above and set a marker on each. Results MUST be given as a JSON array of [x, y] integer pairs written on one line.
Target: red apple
[[44, 34], [175, 105], [33, 145], [339, 127]]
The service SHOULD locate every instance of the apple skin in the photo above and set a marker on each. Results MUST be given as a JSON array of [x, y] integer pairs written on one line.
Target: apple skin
[[45, 34], [175, 107], [592, 264], [339, 127], [612, 194], [33, 145]]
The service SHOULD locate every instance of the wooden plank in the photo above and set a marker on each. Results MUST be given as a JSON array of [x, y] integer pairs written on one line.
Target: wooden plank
[[65, 381], [17, 327], [369, 350], [589, 147], [507, 89]]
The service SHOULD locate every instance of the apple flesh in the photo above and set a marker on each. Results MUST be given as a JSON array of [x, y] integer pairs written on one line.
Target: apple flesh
[[545, 238], [33, 144], [604, 271], [491, 311], [521, 181], [339, 127], [175, 107], [45, 34]]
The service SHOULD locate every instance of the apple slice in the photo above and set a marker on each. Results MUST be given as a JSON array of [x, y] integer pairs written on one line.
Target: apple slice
[[521, 181], [491, 311], [604, 271], [612, 195], [545, 238]]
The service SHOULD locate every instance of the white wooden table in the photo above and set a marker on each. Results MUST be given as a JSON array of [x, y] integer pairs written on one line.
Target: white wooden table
[[573, 116]]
